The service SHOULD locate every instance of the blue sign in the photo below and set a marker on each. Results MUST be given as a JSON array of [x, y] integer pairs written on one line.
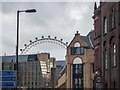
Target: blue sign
[[7, 73], [7, 78], [7, 84]]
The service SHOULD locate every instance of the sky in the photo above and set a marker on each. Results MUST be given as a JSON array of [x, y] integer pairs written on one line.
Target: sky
[[60, 19]]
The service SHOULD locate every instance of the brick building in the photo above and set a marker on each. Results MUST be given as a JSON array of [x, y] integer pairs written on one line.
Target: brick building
[[107, 43], [78, 72], [79, 62]]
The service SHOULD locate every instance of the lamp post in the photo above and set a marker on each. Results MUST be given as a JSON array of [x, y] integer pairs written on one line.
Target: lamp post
[[18, 11]]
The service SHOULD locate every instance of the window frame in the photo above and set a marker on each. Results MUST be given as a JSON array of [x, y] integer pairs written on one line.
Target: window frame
[[105, 25], [106, 58], [78, 77], [113, 55], [74, 50], [113, 17], [119, 13]]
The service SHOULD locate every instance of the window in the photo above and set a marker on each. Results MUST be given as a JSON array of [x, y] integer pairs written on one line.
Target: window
[[28, 73], [77, 50], [36, 68], [76, 66], [36, 83], [119, 13], [77, 44], [105, 25], [79, 81], [76, 81], [32, 74], [106, 59], [28, 83], [36, 78], [78, 77], [24, 83], [25, 78], [114, 54], [25, 73], [113, 18], [106, 85], [114, 85], [76, 71], [77, 60]]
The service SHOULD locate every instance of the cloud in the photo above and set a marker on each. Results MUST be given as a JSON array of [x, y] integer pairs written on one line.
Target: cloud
[[0, 29], [78, 12], [61, 19]]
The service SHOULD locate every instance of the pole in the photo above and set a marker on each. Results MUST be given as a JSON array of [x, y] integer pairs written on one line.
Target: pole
[[17, 47], [27, 11]]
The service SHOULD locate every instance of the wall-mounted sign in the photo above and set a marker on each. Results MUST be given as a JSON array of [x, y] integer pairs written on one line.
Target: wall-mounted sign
[[98, 79], [7, 84], [7, 73], [8, 79]]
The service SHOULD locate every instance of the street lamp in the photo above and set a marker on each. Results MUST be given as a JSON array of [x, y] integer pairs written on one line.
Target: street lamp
[[18, 11]]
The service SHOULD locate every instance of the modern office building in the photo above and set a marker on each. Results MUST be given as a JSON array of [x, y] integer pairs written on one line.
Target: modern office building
[[107, 43], [33, 70]]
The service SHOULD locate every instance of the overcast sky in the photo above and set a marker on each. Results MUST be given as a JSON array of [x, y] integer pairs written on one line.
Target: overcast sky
[[61, 19]]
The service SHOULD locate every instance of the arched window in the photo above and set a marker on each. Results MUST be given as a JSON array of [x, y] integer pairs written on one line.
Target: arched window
[[114, 54], [114, 85], [106, 85], [77, 49], [77, 61], [105, 54], [105, 25], [113, 51], [113, 18], [77, 44], [119, 13], [77, 73], [106, 59]]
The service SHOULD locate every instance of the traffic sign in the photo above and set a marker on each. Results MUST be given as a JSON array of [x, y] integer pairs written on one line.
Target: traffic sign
[[98, 79], [7, 84], [7, 73], [7, 78]]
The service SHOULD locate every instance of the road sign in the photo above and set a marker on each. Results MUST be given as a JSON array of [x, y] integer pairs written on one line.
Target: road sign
[[7, 84], [7, 73], [7, 78], [98, 79]]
